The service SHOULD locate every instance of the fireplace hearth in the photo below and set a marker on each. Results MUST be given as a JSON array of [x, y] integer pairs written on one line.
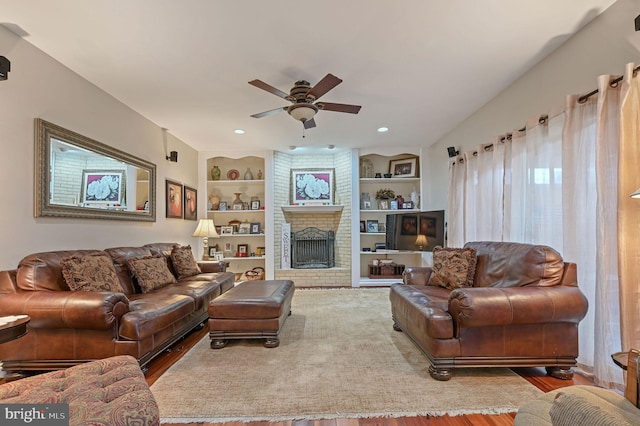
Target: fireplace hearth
[[312, 248]]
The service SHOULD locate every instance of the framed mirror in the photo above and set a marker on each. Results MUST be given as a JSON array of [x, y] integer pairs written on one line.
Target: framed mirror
[[79, 177]]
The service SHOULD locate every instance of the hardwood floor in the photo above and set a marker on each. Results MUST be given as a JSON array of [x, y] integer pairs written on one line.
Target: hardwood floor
[[536, 376]]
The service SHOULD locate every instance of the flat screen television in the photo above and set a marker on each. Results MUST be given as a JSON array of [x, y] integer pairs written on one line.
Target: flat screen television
[[402, 230]]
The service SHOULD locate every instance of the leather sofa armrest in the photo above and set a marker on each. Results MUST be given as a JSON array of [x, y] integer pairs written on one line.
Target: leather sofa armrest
[[67, 309], [493, 306], [213, 266], [416, 275]]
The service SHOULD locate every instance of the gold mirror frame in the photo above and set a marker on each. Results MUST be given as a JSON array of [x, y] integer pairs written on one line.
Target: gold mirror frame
[[44, 133]]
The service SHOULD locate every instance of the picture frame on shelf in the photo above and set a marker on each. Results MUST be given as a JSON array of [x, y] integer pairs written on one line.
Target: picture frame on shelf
[[372, 226], [243, 250], [244, 228], [366, 205], [236, 206], [102, 188], [173, 199], [260, 251], [312, 186], [218, 257], [212, 251], [382, 227], [222, 206], [255, 228], [228, 247], [363, 226], [408, 205], [393, 205], [226, 230], [255, 204], [404, 167], [384, 204], [190, 203]]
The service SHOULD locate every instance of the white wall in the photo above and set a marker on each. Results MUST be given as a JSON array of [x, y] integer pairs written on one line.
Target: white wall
[[39, 86], [602, 47]]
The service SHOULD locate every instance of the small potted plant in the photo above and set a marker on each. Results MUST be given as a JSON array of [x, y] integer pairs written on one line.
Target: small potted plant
[[383, 196]]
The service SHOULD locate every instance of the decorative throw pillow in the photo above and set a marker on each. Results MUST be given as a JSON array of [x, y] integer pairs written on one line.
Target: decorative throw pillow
[[93, 272], [453, 267], [151, 272], [570, 410], [183, 262]]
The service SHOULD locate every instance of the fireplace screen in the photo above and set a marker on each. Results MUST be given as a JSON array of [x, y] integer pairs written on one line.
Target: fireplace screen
[[312, 248]]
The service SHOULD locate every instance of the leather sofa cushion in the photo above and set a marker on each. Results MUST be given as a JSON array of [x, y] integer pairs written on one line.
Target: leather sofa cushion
[[153, 312], [42, 271], [506, 264], [183, 262], [93, 272], [151, 273], [453, 267]]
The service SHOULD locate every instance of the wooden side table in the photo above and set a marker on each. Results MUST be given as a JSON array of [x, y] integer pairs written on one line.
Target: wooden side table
[[13, 327]]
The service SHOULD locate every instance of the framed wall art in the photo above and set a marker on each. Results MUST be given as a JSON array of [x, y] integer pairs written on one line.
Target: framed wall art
[[406, 167], [173, 195], [190, 203], [102, 187], [312, 186]]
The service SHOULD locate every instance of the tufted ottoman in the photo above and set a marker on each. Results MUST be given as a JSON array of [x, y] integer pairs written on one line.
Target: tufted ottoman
[[251, 310], [111, 391]]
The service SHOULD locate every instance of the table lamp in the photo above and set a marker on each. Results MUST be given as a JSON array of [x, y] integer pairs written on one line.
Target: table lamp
[[206, 229], [421, 242]]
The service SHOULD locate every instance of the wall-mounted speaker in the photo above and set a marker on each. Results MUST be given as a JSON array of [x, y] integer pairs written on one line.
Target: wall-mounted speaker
[[5, 67], [173, 156], [452, 151]]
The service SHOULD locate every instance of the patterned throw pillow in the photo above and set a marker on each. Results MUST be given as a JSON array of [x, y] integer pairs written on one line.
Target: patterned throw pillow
[[151, 272], [453, 267], [93, 272], [183, 262]]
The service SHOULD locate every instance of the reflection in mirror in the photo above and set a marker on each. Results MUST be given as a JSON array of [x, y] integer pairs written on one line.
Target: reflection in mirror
[[79, 177]]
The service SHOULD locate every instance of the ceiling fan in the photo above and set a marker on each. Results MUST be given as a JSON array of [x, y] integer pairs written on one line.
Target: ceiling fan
[[303, 98]]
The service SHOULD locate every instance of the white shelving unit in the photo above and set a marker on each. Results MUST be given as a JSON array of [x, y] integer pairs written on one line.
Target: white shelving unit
[[403, 186]]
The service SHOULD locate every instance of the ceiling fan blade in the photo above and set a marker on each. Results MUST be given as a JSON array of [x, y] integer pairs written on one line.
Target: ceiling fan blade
[[323, 86], [328, 106], [309, 123], [270, 112], [264, 86]]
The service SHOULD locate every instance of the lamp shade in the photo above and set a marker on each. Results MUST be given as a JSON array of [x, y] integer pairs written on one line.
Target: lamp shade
[[206, 228], [421, 241], [636, 194], [302, 112]]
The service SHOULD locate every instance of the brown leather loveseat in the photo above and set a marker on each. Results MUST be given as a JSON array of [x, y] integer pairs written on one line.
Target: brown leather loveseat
[[142, 318], [520, 307]]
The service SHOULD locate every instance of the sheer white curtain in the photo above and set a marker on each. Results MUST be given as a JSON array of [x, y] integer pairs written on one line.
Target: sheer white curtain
[[455, 204]]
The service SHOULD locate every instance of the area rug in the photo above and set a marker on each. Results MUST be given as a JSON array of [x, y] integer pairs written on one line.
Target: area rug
[[339, 357]]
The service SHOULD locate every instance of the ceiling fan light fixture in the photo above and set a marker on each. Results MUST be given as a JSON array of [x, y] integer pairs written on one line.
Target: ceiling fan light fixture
[[302, 112]]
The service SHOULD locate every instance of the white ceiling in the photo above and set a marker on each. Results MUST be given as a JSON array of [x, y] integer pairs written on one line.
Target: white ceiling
[[418, 67]]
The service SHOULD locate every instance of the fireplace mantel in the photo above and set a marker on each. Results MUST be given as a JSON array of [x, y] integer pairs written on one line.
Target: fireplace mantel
[[312, 209]]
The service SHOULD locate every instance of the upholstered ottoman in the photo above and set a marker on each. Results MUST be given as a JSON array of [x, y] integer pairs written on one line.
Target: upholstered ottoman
[[251, 310], [111, 391]]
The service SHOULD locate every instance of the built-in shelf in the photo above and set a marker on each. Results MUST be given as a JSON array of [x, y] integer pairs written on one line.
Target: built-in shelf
[[363, 180], [242, 235], [386, 252], [312, 209], [237, 181], [389, 211], [244, 258]]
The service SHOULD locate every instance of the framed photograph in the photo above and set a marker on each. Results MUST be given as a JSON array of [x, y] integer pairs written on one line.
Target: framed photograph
[[406, 167], [228, 247], [173, 199], [222, 206], [219, 257], [409, 225], [382, 227], [212, 251], [255, 227], [260, 251], [312, 186], [372, 226], [407, 205], [226, 230], [190, 203], [384, 204], [366, 205], [237, 206], [102, 187], [363, 226], [255, 205], [244, 228], [243, 249], [393, 205]]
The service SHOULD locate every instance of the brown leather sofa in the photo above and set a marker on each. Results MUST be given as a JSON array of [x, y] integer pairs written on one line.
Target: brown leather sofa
[[522, 310], [71, 327]]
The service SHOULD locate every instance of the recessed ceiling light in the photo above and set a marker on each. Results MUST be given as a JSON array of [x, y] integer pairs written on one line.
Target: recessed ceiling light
[[383, 129], [239, 132]]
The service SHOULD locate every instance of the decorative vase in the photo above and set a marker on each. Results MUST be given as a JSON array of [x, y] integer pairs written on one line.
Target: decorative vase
[[214, 200], [238, 200], [259, 174], [248, 175], [415, 198], [399, 200], [215, 173]]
